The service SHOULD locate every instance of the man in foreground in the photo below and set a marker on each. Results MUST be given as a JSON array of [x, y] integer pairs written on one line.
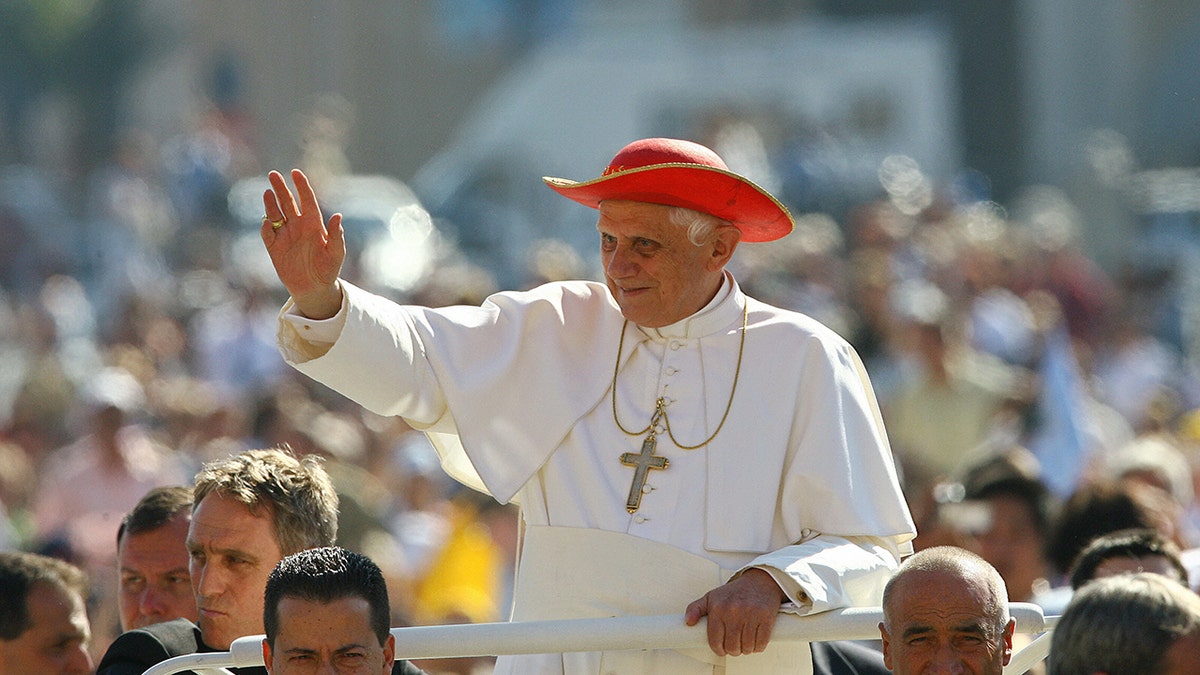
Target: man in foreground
[[946, 610], [251, 510], [327, 610]]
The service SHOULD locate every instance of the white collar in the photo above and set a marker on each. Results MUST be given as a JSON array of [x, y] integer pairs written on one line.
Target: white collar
[[725, 308]]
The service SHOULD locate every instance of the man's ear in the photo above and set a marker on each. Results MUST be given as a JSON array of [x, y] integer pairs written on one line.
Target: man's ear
[[725, 241], [887, 646], [1009, 629], [266, 649], [389, 654]]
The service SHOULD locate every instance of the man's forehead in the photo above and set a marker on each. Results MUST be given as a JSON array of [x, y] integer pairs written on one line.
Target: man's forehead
[[166, 540], [938, 593], [228, 520], [340, 622], [936, 582], [944, 621], [53, 608], [624, 211]]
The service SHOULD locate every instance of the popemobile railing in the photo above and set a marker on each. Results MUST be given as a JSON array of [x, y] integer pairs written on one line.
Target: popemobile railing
[[615, 633]]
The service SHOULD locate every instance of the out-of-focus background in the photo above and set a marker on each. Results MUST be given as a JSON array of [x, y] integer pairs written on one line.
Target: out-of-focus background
[[997, 205]]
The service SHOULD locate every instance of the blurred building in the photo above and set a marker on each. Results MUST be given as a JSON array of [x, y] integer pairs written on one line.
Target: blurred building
[[1086, 96]]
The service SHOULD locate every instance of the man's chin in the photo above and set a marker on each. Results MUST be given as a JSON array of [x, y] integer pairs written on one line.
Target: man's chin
[[215, 632]]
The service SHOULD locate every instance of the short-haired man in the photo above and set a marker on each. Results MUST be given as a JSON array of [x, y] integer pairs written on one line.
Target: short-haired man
[[1140, 624], [250, 511], [946, 610], [44, 628], [1128, 552], [327, 609], [153, 582]]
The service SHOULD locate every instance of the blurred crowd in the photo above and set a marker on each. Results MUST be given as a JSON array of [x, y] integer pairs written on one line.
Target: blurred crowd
[[136, 343], [1033, 399]]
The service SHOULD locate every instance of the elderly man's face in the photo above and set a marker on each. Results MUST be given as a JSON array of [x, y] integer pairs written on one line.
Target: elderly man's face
[[154, 583], [939, 625], [654, 272]]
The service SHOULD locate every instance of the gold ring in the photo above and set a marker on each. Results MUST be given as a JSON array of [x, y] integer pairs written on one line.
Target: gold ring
[[275, 224]]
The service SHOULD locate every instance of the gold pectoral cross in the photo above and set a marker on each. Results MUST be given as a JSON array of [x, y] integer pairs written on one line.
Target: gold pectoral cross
[[643, 462]]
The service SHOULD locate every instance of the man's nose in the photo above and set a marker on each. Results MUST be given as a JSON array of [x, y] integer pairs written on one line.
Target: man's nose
[[80, 661], [151, 602], [620, 263], [208, 581], [946, 662]]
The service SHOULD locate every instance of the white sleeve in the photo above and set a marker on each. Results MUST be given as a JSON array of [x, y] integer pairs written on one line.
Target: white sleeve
[[323, 331], [829, 572], [375, 358]]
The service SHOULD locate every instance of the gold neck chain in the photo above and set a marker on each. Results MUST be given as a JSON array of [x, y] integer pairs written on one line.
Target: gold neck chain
[[660, 411]]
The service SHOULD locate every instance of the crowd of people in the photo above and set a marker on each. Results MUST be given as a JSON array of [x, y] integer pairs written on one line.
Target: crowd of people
[[1034, 402]]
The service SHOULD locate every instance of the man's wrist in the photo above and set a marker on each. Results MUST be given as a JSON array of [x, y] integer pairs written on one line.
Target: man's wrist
[[322, 304]]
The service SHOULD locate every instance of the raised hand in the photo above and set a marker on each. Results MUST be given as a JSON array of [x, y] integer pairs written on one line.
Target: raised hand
[[307, 253]]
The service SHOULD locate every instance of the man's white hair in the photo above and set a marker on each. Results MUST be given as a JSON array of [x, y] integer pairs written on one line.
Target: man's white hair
[[701, 227]]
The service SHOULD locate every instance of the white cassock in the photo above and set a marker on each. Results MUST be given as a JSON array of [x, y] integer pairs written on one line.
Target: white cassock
[[516, 397]]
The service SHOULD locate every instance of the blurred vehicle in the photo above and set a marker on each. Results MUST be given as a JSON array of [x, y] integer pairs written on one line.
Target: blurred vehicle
[[809, 110]]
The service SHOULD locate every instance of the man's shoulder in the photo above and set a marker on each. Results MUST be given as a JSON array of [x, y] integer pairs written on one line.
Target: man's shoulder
[[574, 292], [564, 303], [846, 658], [797, 324], [402, 667], [135, 650]]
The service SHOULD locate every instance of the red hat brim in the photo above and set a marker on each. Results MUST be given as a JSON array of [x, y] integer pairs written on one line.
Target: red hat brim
[[707, 189]]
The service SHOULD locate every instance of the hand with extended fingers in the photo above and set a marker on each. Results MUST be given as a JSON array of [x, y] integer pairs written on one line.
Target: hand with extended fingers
[[307, 252]]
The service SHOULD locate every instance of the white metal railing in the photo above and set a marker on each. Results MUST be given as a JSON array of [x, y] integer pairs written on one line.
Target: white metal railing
[[614, 633]]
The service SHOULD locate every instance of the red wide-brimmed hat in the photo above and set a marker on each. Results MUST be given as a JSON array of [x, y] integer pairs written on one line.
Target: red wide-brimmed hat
[[682, 173]]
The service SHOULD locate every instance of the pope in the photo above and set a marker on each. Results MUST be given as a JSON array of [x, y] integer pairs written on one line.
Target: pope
[[674, 445]]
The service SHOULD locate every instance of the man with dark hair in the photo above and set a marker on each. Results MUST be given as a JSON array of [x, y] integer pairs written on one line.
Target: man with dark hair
[[1141, 624], [153, 582], [250, 511], [1097, 508], [44, 628], [327, 608], [1017, 511], [1128, 552]]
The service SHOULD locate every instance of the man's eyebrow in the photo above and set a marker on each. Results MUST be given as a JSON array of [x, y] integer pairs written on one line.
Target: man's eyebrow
[[339, 650], [917, 629], [226, 551], [352, 645], [975, 627]]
